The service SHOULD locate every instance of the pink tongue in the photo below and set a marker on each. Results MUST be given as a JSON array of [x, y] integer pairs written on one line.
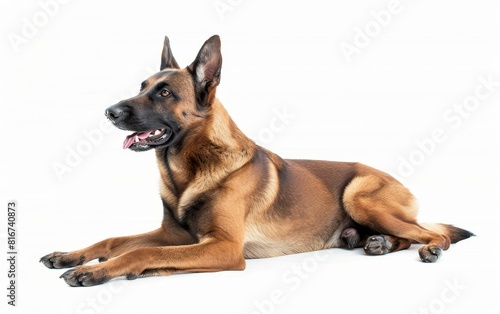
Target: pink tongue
[[135, 138]]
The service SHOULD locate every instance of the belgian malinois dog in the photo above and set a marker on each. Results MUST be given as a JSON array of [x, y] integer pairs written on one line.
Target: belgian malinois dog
[[226, 199]]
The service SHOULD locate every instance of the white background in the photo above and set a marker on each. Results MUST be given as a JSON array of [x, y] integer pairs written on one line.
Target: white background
[[398, 88]]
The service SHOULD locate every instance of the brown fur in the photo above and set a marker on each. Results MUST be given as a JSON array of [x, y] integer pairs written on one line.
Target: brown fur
[[226, 199]]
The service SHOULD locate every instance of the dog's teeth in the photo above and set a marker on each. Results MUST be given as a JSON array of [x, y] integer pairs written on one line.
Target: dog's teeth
[[137, 138]]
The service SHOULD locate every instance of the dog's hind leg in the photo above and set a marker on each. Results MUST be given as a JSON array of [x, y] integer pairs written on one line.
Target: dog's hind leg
[[379, 202], [373, 243]]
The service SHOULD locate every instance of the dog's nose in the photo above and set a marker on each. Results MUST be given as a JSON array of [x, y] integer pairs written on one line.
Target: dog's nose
[[114, 113]]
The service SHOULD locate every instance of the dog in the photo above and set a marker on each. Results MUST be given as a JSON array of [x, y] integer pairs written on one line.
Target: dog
[[226, 199]]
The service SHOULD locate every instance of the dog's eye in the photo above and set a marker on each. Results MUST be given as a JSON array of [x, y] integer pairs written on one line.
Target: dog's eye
[[165, 93]]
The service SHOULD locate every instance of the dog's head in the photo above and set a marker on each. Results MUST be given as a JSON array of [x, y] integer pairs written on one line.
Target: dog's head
[[171, 101]]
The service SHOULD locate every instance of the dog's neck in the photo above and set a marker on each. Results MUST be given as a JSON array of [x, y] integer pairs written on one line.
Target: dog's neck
[[223, 132], [218, 149]]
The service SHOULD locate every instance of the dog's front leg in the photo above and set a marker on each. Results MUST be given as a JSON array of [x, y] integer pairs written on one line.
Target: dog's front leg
[[221, 233], [211, 254], [112, 247]]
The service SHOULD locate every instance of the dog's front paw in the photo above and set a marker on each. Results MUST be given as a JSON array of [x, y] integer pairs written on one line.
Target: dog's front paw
[[62, 260], [85, 276]]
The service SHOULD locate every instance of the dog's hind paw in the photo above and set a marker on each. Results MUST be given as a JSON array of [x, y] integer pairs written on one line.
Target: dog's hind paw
[[377, 245], [351, 237], [429, 253]]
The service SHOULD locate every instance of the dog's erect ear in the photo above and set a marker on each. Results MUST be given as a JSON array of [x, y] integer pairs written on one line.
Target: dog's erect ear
[[167, 58], [207, 65], [206, 69]]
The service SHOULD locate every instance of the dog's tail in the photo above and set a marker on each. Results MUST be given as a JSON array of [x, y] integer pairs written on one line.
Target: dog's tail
[[454, 233]]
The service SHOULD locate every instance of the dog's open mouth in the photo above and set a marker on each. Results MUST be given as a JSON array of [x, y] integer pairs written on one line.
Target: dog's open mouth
[[146, 140]]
